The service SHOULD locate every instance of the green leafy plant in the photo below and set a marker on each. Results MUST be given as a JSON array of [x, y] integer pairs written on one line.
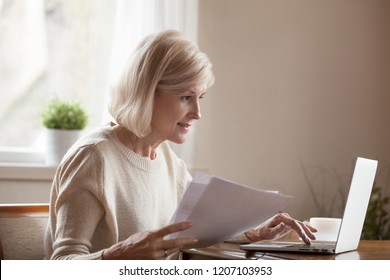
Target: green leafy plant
[[60, 114], [377, 222]]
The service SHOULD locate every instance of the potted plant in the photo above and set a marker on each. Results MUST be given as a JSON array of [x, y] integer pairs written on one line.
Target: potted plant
[[377, 222], [64, 122]]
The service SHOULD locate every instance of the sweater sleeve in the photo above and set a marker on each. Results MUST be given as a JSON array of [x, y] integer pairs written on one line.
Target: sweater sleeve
[[78, 207]]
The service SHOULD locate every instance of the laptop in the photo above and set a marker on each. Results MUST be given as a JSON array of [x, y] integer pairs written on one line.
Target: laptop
[[351, 224]]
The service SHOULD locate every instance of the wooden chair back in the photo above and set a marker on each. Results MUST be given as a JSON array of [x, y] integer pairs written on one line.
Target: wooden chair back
[[22, 229]]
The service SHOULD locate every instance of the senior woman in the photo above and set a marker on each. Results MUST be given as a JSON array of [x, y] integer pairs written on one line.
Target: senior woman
[[117, 188]]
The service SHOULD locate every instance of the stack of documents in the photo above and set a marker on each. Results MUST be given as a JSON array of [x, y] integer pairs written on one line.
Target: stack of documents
[[220, 209]]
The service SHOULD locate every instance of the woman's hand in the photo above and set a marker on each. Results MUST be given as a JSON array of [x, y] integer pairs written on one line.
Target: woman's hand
[[278, 226], [150, 245]]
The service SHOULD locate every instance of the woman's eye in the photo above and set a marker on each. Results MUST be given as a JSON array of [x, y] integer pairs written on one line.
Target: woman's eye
[[186, 98]]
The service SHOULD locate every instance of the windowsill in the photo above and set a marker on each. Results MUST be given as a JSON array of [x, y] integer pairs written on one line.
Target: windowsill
[[24, 164], [26, 171]]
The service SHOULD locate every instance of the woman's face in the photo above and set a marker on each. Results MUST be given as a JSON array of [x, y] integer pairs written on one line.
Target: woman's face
[[174, 113]]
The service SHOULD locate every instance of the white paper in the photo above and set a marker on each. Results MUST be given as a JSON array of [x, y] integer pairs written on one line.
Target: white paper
[[220, 209]]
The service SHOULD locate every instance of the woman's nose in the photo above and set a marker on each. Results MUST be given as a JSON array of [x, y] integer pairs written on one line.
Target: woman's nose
[[195, 113]]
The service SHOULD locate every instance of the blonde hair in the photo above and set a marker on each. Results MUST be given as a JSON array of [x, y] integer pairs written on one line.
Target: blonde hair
[[163, 62]]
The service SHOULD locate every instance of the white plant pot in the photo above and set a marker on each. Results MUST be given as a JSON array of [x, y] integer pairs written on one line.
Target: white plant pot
[[58, 141]]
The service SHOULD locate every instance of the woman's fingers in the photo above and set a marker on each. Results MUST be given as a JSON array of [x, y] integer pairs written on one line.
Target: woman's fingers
[[150, 244], [303, 230], [309, 230], [179, 242], [172, 228], [169, 244]]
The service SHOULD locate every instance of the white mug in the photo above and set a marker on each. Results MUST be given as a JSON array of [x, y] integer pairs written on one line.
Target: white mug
[[327, 228]]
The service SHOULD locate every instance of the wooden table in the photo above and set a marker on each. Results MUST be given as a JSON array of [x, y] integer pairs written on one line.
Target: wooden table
[[367, 250]]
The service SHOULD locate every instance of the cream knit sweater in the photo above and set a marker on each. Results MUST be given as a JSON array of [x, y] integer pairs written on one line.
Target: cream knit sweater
[[103, 192]]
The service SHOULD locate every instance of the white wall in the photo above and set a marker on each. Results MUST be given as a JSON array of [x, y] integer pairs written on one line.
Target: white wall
[[302, 89]]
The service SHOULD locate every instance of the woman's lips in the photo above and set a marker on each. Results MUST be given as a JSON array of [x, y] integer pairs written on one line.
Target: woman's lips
[[186, 126]]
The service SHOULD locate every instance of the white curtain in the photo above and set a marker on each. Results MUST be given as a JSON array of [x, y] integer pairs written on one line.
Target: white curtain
[[134, 19]]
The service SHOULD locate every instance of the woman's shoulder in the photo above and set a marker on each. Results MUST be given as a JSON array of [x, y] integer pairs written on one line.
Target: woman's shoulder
[[97, 136], [168, 153], [93, 143], [100, 139], [175, 163]]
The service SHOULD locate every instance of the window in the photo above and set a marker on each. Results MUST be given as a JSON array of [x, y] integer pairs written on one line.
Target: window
[[49, 48], [71, 49]]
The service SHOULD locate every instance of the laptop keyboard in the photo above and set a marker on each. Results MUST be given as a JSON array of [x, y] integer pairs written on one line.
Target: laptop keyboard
[[313, 247]]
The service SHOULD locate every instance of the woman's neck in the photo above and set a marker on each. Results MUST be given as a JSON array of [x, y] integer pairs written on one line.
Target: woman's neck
[[145, 147]]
